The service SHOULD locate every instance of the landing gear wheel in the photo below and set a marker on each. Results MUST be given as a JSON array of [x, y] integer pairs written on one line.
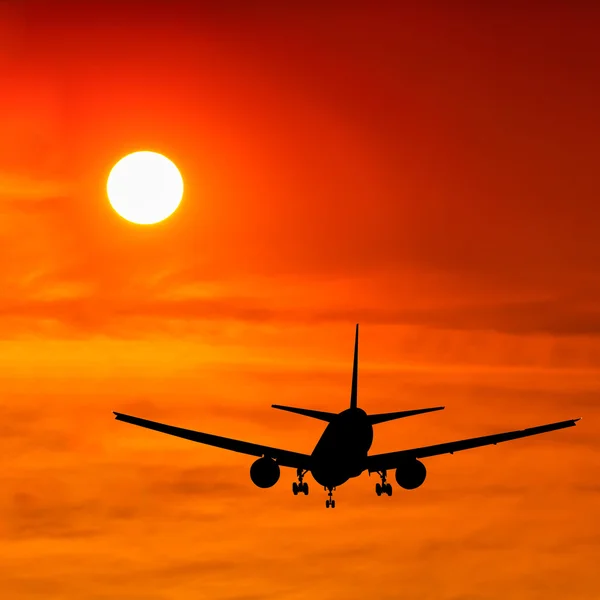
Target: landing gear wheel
[[331, 502], [383, 487], [301, 487]]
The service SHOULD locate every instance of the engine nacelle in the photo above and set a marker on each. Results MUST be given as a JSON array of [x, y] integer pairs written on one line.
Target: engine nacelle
[[264, 472], [411, 474]]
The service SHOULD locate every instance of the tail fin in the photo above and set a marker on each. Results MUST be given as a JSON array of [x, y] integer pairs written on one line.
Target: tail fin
[[307, 412], [354, 393], [383, 417]]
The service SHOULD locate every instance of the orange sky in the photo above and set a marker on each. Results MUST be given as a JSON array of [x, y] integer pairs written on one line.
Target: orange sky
[[430, 174]]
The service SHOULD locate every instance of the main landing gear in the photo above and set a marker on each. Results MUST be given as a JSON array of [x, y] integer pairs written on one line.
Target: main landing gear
[[331, 502], [383, 487], [301, 487]]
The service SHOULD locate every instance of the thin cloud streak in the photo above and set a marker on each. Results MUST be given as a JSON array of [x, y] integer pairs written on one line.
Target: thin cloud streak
[[91, 314]]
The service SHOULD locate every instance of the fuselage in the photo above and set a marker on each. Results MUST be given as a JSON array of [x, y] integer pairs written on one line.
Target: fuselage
[[341, 452]]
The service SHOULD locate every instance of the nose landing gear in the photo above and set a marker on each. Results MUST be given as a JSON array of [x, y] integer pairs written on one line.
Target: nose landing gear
[[331, 502], [301, 487], [383, 487]]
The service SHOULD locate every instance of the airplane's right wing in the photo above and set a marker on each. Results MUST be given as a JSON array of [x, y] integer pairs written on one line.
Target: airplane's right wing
[[308, 412], [285, 458], [383, 417], [391, 460]]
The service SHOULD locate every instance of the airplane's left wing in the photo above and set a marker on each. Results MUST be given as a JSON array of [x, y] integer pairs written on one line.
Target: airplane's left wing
[[284, 458], [391, 460]]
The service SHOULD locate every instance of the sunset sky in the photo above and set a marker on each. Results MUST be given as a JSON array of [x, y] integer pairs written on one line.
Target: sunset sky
[[432, 174]]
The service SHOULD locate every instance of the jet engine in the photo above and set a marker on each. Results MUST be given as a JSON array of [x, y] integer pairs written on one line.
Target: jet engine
[[264, 472], [411, 474]]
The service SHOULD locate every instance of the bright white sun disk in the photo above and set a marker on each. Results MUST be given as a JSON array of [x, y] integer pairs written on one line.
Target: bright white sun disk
[[145, 187]]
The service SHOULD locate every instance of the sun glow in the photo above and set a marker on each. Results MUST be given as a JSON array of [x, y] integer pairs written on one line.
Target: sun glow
[[145, 187]]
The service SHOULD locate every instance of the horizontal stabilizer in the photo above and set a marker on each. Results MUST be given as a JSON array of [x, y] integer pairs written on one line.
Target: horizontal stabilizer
[[383, 417], [307, 412]]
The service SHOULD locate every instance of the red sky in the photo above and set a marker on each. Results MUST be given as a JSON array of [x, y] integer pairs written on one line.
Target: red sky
[[427, 172]]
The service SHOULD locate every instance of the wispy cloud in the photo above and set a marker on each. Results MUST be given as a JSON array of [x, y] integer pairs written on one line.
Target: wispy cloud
[[29, 193], [78, 305]]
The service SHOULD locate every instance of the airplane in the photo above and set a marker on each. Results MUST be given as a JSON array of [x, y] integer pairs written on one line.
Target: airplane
[[342, 451]]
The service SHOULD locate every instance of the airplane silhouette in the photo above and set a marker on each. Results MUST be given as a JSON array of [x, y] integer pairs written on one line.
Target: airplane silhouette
[[342, 450]]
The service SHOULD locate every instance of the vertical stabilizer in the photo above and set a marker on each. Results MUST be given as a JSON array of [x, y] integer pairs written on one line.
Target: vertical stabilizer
[[354, 393]]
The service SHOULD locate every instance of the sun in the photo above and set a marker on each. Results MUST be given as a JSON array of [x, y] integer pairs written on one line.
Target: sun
[[145, 187]]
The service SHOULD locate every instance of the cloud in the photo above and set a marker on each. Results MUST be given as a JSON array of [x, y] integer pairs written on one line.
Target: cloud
[[561, 317], [199, 482], [46, 517], [77, 307], [30, 194]]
